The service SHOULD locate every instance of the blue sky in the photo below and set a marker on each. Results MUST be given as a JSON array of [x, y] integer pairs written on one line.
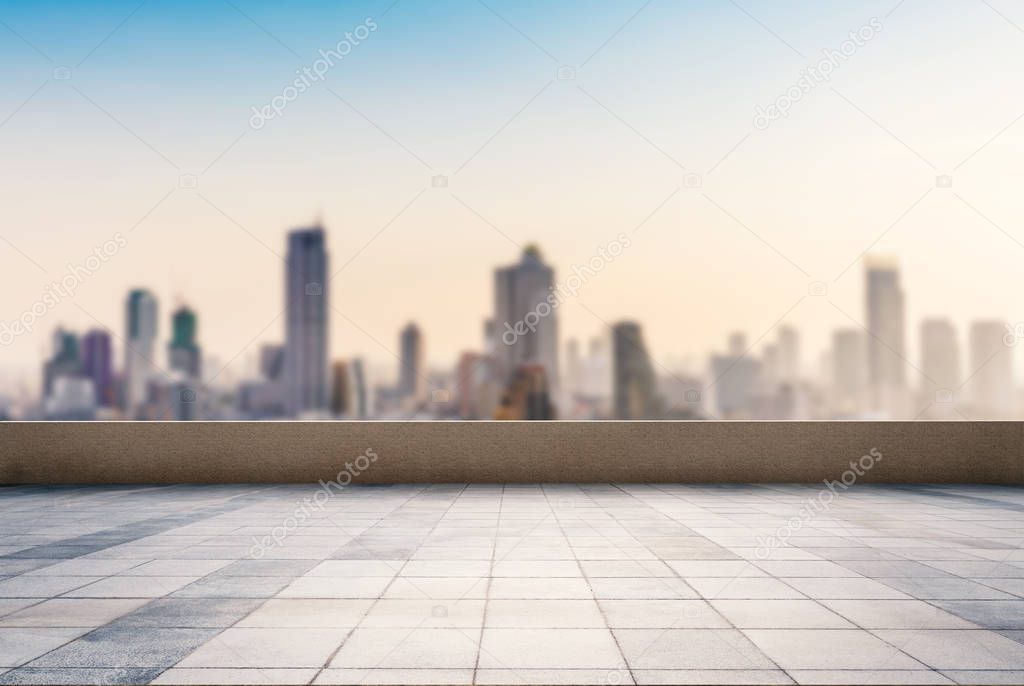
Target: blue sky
[[470, 90]]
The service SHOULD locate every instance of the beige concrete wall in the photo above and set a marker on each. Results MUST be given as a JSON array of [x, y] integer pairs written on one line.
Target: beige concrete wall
[[694, 452]]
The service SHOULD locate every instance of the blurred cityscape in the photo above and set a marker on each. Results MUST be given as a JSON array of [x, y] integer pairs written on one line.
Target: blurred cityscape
[[520, 372]]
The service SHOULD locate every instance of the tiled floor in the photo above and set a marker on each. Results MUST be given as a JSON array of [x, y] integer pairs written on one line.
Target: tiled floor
[[451, 584]]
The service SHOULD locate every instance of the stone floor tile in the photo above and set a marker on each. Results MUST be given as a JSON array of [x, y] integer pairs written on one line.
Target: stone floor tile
[[421, 648], [897, 614], [72, 612], [689, 649], [20, 645], [779, 614], [830, 649], [661, 614], [549, 649], [958, 649], [240, 647]]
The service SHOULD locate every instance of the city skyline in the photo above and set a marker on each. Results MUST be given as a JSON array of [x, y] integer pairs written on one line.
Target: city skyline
[[523, 370], [382, 353], [731, 241]]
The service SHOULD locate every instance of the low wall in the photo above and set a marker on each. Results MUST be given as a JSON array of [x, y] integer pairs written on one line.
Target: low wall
[[488, 452]]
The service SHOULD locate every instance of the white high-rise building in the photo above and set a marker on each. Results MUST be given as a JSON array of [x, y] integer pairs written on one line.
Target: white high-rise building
[[411, 375], [140, 348], [789, 355], [597, 369], [849, 373], [573, 368], [525, 322], [940, 356], [990, 387], [735, 380], [305, 351], [886, 350]]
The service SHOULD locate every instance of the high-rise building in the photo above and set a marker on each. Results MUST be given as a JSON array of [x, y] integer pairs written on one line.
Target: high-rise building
[[271, 361], [183, 350], [635, 387], [470, 374], [72, 398], [360, 388], [264, 398], [490, 343], [597, 370], [771, 366], [991, 371], [527, 396], [940, 356], [97, 365], [65, 362], [886, 351], [411, 374], [849, 373], [573, 368], [340, 389], [306, 326], [139, 365], [789, 355], [735, 380], [526, 323]]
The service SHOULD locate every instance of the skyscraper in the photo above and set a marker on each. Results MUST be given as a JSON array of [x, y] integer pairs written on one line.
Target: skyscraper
[[789, 355], [97, 365], [635, 387], [991, 371], [139, 347], [940, 356], [573, 368], [305, 356], [360, 390], [340, 389], [736, 378], [526, 323], [527, 397], [597, 370], [66, 360], [183, 351], [886, 352], [271, 361], [410, 376], [771, 366], [849, 372]]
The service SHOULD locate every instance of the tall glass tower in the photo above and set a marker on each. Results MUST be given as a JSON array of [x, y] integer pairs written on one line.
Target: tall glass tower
[[139, 347], [526, 326], [306, 353], [184, 351]]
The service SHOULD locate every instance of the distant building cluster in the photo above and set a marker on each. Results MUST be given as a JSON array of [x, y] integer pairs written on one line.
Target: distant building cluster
[[517, 374]]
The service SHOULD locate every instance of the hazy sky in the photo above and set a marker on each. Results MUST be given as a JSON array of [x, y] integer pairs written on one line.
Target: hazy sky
[[469, 90]]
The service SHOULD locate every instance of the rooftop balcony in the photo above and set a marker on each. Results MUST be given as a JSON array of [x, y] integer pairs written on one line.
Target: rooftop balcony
[[337, 580]]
